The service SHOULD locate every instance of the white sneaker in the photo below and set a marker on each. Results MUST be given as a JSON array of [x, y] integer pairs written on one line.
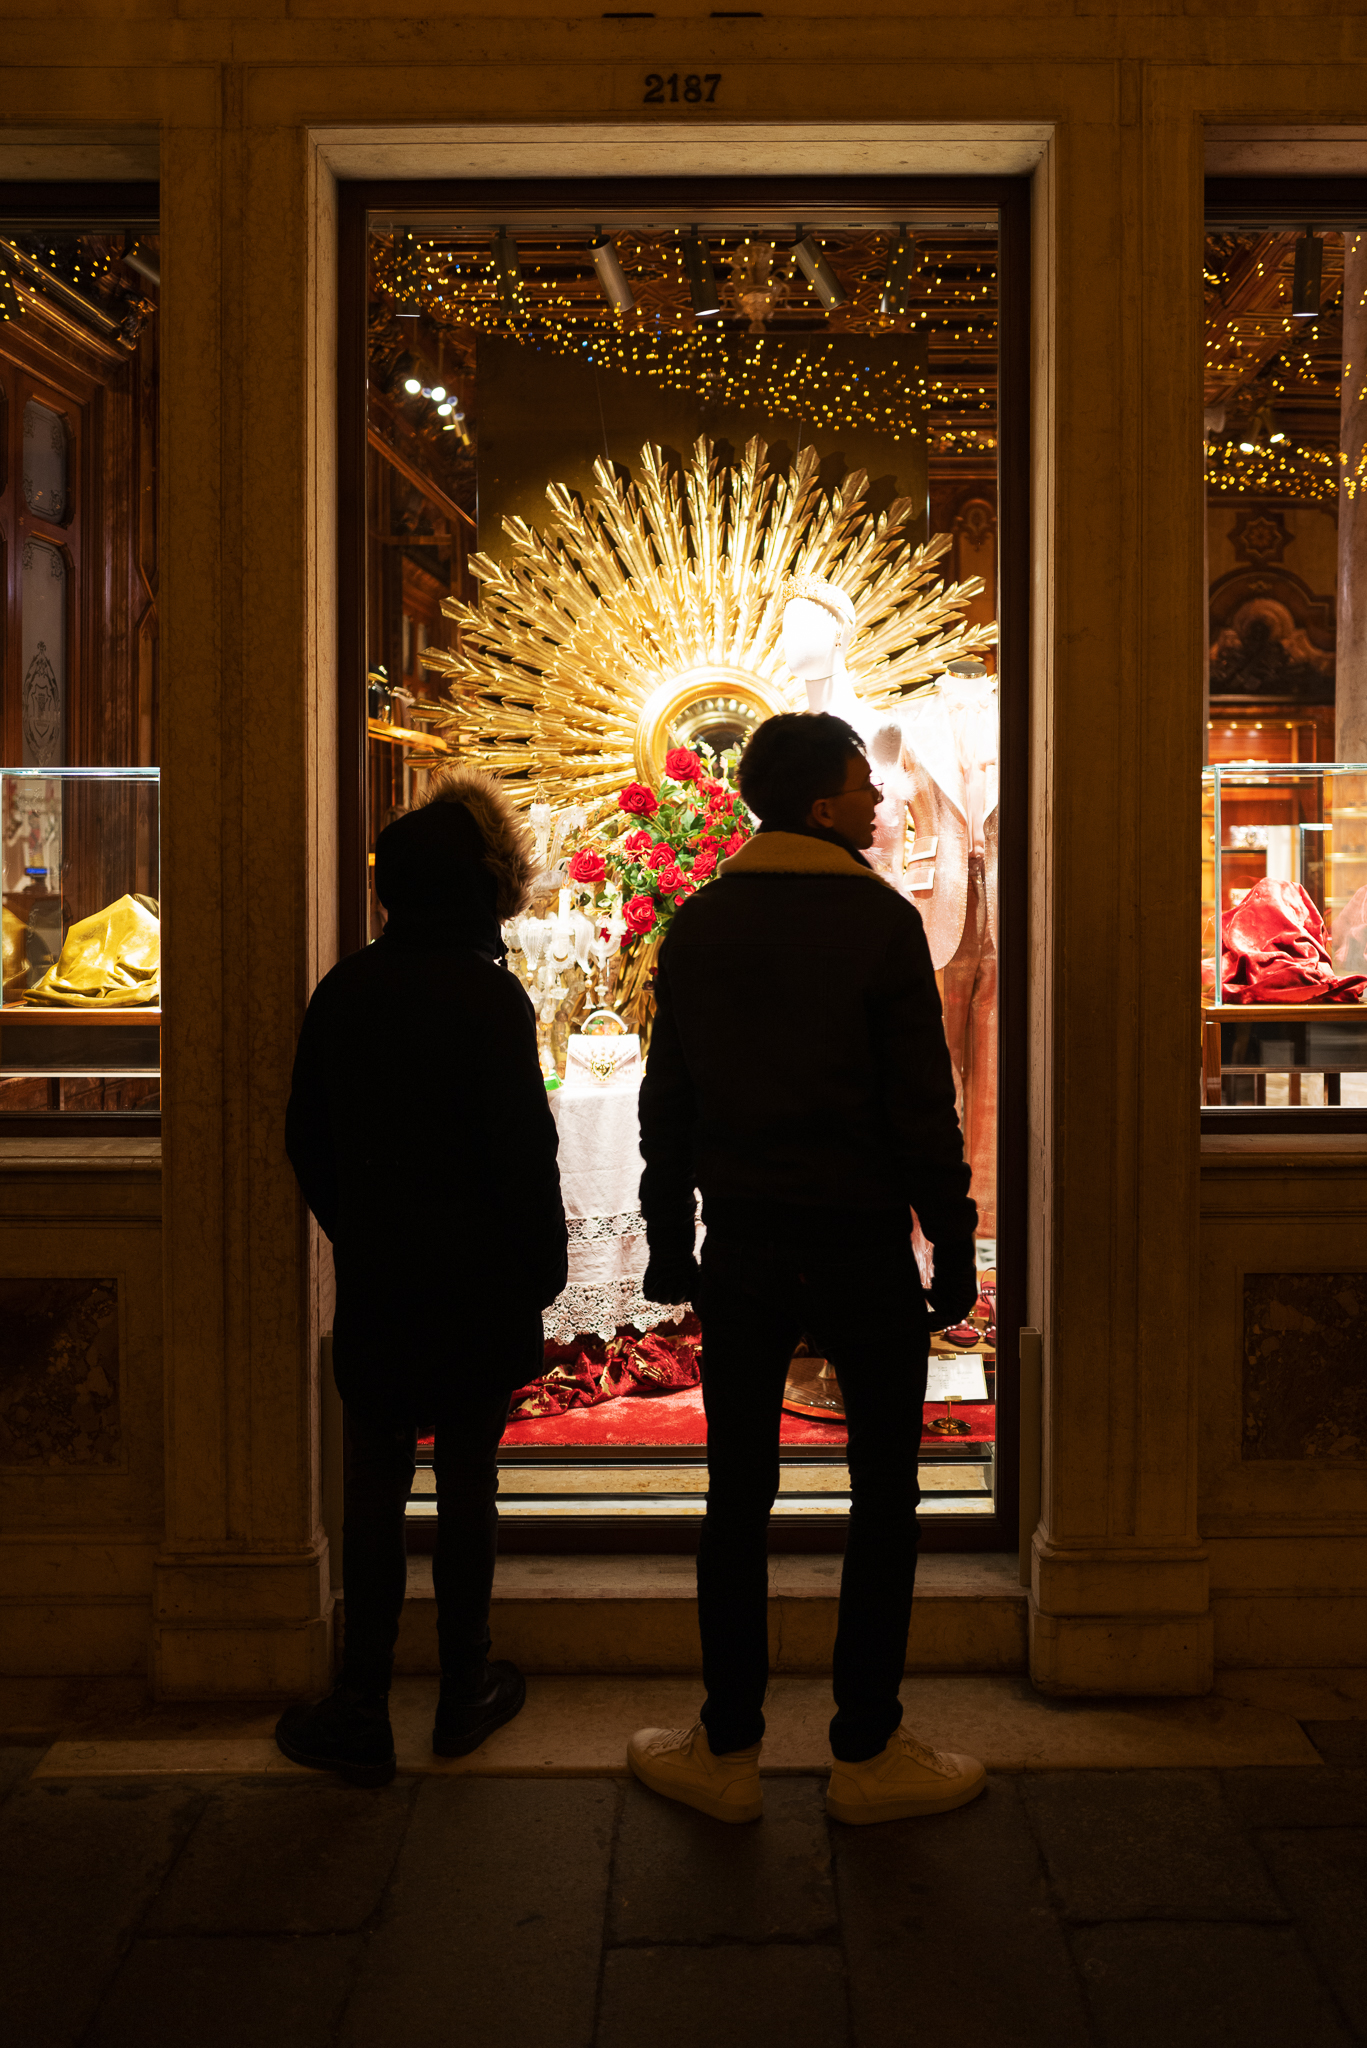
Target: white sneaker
[[902, 1781], [679, 1763]]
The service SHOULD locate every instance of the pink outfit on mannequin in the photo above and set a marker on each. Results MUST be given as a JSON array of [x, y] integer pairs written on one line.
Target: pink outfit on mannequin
[[946, 784]]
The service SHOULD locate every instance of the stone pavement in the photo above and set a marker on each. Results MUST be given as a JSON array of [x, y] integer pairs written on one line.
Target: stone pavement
[[1153, 1907]]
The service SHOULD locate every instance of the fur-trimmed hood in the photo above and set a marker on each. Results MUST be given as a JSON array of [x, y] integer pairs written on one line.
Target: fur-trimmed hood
[[509, 849]]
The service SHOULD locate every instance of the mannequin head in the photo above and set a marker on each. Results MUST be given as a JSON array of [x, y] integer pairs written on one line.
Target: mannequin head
[[818, 627]]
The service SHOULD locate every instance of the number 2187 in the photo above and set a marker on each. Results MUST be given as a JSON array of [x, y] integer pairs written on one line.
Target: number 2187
[[660, 89]]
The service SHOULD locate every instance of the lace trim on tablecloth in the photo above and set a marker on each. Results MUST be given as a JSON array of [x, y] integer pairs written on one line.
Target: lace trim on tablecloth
[[596, 1229], [601, 1311]]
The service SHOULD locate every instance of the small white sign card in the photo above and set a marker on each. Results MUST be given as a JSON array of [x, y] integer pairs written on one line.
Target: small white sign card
[[956, 1379]]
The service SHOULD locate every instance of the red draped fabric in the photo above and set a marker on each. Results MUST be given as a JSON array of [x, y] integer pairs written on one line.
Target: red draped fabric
[[582, 1373], [1276, 951]]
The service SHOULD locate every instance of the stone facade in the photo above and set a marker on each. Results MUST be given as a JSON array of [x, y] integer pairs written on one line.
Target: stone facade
[[1160, 1545]]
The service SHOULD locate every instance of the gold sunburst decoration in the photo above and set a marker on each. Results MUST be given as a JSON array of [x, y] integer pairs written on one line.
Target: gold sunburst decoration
[[653, 613]]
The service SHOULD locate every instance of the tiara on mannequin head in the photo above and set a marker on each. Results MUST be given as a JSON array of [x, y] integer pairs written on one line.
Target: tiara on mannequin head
[[829, 596]]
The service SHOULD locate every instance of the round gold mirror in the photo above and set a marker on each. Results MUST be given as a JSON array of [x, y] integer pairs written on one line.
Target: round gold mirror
[[713, 708]]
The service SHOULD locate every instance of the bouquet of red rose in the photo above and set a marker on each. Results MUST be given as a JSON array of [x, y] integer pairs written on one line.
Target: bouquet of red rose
[[652, 851]]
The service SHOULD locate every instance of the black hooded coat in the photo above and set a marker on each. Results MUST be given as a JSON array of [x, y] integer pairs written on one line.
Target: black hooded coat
[[418, 1123]]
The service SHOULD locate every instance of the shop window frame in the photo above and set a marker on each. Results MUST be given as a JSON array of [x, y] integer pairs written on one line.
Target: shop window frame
[[70, 205], [1334, 206], [1011, 196]]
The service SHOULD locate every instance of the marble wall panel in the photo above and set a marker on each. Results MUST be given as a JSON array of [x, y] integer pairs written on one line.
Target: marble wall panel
[[1305, 1366], [59, 1375]]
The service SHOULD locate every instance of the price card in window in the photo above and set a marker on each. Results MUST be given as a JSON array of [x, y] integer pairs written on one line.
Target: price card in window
[[956, 1379]]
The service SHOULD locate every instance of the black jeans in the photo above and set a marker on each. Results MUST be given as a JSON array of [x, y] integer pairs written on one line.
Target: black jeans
[[847, 1282], [380, 1455]]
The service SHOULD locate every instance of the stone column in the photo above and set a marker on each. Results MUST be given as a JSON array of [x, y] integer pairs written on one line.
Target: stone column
[[242, 1602], [1120, 1594], [1350, 684]]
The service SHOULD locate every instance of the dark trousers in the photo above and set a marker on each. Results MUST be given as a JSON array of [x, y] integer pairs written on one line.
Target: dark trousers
[[848, 1283], [379, 1460]]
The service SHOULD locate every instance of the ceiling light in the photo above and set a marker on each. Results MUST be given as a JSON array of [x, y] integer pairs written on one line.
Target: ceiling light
[[508, 270], [903, 266], [817, 271], [702, 284], [611, 276], [1306, 279], [412, 385], [438, 392], [446, 410], [1278, 437], [1247, 448]]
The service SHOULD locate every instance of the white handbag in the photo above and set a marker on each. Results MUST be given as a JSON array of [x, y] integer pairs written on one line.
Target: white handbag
[[599, 1061]]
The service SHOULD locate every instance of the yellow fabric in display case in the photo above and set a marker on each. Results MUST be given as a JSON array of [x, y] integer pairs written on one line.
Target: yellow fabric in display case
[[109, 961], [16, 953]]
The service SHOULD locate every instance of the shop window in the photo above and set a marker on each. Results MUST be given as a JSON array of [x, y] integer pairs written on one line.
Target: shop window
[[79, 858], [1284, 807], [605, 459]]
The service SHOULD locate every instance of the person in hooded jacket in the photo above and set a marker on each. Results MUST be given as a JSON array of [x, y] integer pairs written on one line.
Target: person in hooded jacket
[[800, 1081], [419, 1130]]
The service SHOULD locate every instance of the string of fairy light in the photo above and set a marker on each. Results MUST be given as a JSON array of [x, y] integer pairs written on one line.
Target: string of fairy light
[[662, 339]]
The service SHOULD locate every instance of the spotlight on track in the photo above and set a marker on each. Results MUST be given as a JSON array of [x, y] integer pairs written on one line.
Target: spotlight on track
[[508, 271], [702, 284], [1308, 276], [818, 272], [903, 265], [611, 276]]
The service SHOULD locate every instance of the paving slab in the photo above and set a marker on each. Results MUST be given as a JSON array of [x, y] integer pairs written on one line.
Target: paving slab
[[1146, 1845], [78, 1867], [16, 1761], [1339, 1693], [579, 1726], [1339, 1742], [221, 1992], [949, 1931], [678, 1876], [730, 1997], [492, 1927], [280, 1857], [1322, 1875], [1205, 1986], [1329, 1798]]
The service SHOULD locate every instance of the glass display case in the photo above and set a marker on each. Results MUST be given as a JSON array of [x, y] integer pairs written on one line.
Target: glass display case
[[80, 1021], [1284, 933]]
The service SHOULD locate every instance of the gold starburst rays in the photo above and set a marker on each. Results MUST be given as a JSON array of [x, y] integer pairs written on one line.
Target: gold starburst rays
[[594, 638]]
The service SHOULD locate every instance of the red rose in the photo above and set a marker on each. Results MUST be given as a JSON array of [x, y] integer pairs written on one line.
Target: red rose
[[638, 801], [637, 842], [703, 863], [671, 879], [712, 786], [640, 912], [587, 866], [662, 857], [683, 765], [734, 844], [687, 890]]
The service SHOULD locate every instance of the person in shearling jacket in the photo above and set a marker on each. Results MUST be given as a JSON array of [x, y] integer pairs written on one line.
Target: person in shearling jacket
[[798, 1078]]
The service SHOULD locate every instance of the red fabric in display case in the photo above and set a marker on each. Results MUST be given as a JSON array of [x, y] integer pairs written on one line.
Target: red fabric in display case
[[1276, 951], [677, 1422], [587, 1371]]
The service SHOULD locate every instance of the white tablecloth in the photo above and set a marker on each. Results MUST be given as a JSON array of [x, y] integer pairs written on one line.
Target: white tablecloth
[[600, 1179]]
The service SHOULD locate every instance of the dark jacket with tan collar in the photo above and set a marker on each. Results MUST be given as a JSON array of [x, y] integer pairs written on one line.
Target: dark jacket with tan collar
[[798, 1055]]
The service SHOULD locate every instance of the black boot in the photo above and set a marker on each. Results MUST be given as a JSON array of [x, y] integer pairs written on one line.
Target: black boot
[[348, 1732], [463, 1723]]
